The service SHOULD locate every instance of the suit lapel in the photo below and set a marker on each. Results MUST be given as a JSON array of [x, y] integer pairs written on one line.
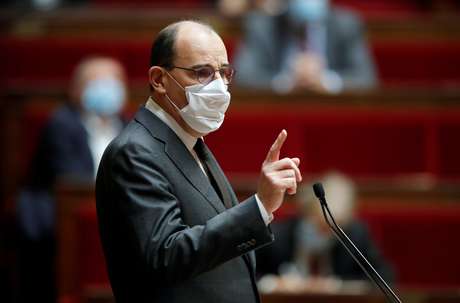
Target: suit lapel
[[185, 162], [180, 156]]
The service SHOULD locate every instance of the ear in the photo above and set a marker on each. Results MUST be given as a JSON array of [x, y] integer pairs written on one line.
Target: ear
[[156, 76]]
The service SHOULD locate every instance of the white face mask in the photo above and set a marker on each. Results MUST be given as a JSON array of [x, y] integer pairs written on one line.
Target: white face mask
[[207, 104]]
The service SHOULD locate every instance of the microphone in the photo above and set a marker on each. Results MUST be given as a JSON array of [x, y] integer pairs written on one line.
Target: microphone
[[368, 269]]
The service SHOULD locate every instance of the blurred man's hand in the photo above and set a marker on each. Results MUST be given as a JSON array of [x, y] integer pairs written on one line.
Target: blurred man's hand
[[308, 69]]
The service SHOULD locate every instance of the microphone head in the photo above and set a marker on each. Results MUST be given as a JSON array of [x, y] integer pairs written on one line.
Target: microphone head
[[318, 190]]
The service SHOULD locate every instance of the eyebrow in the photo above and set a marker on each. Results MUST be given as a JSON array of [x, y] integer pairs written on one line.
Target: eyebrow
[[203, 65]]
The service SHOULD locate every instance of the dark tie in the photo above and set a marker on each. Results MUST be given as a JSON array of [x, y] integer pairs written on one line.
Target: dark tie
[[215, 176]]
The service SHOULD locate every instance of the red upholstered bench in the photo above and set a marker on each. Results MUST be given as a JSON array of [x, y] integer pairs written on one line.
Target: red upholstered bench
[[90, 258], [418, 63], [359, 142], [155, 3], [421, 242], [50, 61]]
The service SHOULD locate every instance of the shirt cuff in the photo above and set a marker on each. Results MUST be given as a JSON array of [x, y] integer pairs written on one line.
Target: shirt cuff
[[265, 215]]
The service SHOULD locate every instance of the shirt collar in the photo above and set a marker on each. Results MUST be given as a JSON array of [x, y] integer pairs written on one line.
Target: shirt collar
[[188, 140]]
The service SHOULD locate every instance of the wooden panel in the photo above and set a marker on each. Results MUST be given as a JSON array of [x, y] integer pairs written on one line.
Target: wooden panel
[[71, 196]]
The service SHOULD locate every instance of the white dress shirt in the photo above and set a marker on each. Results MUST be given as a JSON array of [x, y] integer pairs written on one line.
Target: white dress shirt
[[100, 133]]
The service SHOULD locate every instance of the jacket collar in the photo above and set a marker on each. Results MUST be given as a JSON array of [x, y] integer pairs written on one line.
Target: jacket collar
[[176, 150]]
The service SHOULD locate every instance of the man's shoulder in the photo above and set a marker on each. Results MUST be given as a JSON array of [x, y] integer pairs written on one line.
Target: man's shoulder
[[64, 119], [133, 135]]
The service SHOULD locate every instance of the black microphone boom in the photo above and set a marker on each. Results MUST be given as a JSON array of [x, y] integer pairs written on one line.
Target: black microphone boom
[[352, 249]]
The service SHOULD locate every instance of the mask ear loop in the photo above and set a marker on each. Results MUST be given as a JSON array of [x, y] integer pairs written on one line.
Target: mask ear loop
[[177, 82], [169, 99], [173, 104]]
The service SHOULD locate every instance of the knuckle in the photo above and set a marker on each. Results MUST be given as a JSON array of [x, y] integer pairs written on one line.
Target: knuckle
[[266, 170]]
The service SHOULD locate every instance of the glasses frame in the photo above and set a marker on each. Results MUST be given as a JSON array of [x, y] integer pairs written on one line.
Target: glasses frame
[[220, 70]]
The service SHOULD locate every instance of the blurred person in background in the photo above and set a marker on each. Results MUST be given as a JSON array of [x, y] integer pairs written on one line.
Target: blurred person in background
[[70, 145], [308, 249], [41, 5], [301, 45]]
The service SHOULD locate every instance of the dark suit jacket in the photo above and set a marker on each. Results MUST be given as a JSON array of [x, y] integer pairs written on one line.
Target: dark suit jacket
[[62, 150], [342, 264], [166, 234], [263, 53]]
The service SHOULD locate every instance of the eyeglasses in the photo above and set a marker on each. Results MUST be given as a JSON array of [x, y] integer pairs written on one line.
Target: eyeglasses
[[205, 74]]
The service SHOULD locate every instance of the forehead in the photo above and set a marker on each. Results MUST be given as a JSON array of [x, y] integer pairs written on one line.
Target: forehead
[[100, 68], [196, 44]]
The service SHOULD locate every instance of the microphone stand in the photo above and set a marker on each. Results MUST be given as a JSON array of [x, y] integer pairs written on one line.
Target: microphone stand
[[370, 271]]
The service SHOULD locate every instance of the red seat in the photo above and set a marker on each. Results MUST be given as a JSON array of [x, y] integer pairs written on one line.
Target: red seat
[[421, 242], [91, 263], [155, 3], [418, 63], [50, 61], [362, 143], [39, 62]]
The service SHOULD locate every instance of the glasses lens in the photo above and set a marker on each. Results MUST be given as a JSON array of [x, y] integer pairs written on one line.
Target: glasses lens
[[227, 74], [205, 74]]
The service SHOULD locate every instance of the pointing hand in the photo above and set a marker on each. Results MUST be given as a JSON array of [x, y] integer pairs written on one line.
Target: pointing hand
[[277, 176]]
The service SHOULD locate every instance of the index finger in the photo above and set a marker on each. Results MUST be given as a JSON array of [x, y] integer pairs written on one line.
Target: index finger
[[274, 152]]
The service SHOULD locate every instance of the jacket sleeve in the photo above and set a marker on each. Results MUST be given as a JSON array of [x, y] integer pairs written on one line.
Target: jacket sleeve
[[155, 229]]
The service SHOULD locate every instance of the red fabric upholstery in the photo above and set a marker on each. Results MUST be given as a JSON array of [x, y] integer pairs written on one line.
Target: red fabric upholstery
[[388, 9], [449, 153], [356, 141], [421, 243], [91, 263], [368, 8], [382, 6], [155, 3], [37, 62], [35, 118], [418, 62], [362, 143]]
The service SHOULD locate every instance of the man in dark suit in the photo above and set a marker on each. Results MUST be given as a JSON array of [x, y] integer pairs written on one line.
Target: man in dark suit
[[70, 146], [304, 45], [171, 227]]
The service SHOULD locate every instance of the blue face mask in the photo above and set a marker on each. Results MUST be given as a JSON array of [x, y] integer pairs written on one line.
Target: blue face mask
[[104, 96], [303, 11]]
